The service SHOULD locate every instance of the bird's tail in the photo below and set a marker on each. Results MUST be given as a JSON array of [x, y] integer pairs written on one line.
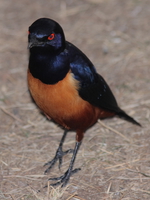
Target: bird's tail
[[123, 115]]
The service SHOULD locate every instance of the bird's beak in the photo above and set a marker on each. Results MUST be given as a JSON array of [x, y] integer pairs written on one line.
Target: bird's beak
[[34, 43], [30, 45]]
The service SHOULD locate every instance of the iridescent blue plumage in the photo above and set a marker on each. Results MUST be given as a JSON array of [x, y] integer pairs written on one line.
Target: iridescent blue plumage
[[55, 66]]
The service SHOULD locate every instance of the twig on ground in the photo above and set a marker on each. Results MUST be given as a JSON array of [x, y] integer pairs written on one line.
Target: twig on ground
[[117, 132], [10, 114]]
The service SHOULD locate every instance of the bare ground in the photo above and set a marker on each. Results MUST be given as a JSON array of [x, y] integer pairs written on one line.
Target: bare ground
[[115, 36]]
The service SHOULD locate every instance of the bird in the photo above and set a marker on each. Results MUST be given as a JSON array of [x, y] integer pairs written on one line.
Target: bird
[[66, 87]]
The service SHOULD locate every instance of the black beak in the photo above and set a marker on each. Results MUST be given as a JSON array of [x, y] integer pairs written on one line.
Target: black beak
[[33, 41]]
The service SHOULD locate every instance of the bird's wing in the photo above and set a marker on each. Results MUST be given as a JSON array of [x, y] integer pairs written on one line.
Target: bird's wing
[[100, 95], [93, 88]]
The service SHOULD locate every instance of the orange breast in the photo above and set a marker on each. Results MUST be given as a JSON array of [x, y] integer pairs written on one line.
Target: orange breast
[[62, 103]]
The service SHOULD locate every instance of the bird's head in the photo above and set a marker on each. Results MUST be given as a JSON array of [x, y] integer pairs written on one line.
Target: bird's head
[[46, 32]]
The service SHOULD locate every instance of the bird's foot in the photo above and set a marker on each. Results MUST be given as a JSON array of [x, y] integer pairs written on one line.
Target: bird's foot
[[58, 156], [64, 178]]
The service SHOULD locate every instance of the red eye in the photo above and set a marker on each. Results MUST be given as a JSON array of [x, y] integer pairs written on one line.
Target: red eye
[[28, 32], [51, 37]]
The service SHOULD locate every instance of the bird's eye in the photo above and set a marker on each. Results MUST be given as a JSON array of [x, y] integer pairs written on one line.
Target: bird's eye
[[28, 32], [51, 36]]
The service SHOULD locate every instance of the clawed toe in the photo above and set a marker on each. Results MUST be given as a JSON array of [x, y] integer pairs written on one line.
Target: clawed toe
[[58, 156], [64, 178]]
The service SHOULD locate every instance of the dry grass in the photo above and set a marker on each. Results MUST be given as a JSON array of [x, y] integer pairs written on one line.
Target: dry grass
[[114, 156]]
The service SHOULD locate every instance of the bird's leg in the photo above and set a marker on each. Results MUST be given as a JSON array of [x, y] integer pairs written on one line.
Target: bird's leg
[[65, 178], [59, 154]]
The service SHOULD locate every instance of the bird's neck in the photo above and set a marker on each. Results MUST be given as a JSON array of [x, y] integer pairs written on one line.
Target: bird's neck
[[48, 66]]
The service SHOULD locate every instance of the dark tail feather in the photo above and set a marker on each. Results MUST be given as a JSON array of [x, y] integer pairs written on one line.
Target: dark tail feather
[[123, 115]]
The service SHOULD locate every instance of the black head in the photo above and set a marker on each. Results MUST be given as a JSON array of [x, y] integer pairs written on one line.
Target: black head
[[46, 32]]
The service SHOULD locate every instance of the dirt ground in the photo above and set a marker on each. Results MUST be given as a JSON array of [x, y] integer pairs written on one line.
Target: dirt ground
[[115, 35]]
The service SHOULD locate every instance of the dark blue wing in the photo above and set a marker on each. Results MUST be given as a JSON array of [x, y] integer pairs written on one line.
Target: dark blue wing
[[93, 88], [81, 66]]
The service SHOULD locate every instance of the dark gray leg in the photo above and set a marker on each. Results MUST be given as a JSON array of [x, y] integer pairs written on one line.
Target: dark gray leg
[[65, 178], [59, 154]]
